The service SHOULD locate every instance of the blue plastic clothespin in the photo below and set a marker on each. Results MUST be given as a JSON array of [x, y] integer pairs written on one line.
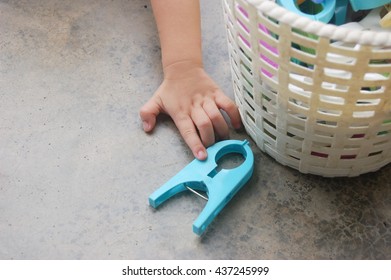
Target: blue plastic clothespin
[[219, 185], [325, 15], [367, 4], [341, 10]]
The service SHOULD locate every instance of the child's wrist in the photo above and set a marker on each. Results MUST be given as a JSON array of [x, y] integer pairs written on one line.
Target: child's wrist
[[181, 68]]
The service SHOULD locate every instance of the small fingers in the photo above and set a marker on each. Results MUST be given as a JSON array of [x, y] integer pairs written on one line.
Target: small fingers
[[148, 114], [219, 123], [231, 109], [189, 133], [204, 125]]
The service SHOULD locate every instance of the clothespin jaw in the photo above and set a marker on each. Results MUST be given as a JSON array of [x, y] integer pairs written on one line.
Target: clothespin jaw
[[219, 185]]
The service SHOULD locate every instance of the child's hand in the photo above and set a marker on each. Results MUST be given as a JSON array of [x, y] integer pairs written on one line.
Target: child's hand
[[193, 101]]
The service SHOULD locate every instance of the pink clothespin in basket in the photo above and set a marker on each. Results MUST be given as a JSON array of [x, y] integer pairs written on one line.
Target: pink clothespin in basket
[[270, 48]]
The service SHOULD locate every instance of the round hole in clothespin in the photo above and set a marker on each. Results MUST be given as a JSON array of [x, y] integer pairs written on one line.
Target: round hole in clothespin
[[323, 11], [310, 7], [230, 161], [231, 155]]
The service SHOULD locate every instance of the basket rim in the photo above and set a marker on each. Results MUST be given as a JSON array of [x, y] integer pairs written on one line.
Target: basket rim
[[334, 32]]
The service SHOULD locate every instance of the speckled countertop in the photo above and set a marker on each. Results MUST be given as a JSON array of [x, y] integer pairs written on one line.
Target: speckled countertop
[[76, 168]]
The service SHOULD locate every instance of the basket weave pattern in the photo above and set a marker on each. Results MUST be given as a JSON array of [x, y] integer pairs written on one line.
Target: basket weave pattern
[[314, 96]]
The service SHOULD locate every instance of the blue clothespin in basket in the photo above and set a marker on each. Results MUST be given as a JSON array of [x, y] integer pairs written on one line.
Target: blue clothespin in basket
[[367, 4], [219, 185], [325, 15]]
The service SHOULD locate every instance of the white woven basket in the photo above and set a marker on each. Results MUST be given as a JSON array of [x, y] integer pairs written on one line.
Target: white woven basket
[[314, 96]]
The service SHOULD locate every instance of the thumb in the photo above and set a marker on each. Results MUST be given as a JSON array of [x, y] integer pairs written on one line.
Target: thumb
[[148, 114]]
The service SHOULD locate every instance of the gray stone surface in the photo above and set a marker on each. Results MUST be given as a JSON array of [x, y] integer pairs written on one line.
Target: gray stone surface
[[76, 169]]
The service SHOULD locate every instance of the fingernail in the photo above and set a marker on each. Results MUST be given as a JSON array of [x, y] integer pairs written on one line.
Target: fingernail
[[201, 155], [146, 126], [240, 128]]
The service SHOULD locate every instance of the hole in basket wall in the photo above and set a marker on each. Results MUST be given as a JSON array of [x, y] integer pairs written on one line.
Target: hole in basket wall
[[242, 11], [273, 20], [268, 51], [246, 68], [303, 46], [249, 105], [383, 132], [334, 87], [296, 129], [301, 80], [337, 73], [269, 63], [297, 116], [250, 117], [368, 102], [348, 156], [245, 54], [244, 41], [295, 137], [297, 90], [265, 98], [298, 103], [301, 64], [376, 77], [305, 37], [332, 99], [243, 26], [266, 25], [329, 112], [267, 32], [248, 93], [247, 80], [359, 125], [319, 154], [305, 50], [375, 153], [358, 136], [323, 134], [272, 125], [382, 64], [385, 128], [363, 114], [269, 129], [326, 123], [372, 90], [271, 135], [341, 59]]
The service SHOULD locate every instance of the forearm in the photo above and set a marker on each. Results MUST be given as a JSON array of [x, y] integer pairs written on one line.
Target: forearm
[[178, 23]]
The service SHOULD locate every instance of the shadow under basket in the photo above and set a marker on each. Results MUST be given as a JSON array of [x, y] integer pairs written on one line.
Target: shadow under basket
[[314, 96]]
